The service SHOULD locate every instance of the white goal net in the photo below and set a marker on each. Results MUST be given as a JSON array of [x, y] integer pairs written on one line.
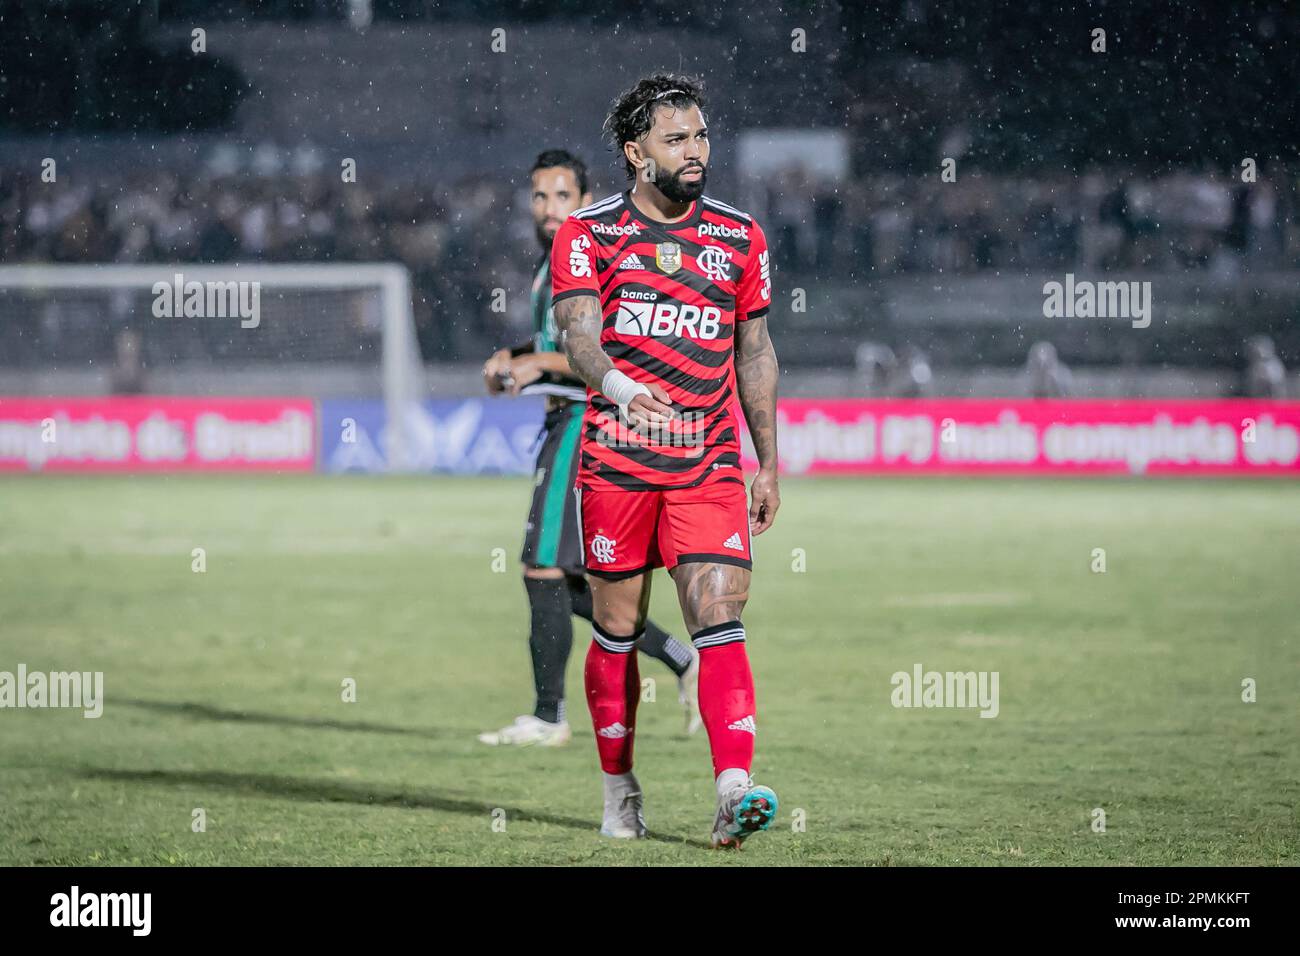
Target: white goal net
[[311, 330]]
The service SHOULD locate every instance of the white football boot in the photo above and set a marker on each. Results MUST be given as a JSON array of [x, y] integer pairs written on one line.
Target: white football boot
[[743, 810], [623, 819], [529, 731], [688, 693]]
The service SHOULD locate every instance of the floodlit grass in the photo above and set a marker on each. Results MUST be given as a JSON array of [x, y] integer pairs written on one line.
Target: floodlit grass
[[1120, 691]]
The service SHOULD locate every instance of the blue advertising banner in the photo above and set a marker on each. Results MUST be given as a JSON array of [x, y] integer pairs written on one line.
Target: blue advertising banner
[[469, 436]]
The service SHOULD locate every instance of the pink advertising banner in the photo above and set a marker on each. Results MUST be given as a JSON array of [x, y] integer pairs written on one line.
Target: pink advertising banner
[[140, 434], [1050, 437]]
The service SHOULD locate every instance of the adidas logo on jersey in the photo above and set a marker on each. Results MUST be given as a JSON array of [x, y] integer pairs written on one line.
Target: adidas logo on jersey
[[745, 723], [617, 731], [716, 231], [631, 262], [734, 542]]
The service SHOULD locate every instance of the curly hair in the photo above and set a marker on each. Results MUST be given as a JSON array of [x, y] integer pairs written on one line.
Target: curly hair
[[632, 114]]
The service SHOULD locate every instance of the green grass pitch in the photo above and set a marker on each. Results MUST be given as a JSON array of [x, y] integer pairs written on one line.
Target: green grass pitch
[[223, 689]]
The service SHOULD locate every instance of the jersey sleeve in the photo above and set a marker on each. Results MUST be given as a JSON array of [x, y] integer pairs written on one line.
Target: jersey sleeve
[[573, 262], [754, 294]]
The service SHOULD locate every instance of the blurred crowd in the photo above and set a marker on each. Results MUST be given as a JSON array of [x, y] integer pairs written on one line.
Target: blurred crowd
[[461, 240], [1113, 221]]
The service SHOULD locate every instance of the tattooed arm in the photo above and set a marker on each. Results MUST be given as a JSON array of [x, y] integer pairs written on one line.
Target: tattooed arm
[[756, 378], [579, 319]]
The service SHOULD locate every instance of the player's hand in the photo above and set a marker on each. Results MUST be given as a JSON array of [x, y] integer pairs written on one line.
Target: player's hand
[[523, 371], [764, 499], [496, 370], [653, 409]]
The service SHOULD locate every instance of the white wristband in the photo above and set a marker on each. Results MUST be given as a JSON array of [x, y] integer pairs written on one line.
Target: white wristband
[[621, 389]]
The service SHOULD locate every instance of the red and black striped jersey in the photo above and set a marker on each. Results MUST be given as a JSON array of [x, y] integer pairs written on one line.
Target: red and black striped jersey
[[670, 295]]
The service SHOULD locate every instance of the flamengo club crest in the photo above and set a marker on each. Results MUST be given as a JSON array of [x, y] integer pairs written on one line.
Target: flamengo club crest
[[602, 549], [668, 256], [713, 260]]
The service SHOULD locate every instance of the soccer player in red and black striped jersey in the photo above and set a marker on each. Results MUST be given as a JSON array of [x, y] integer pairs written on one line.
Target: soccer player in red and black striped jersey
[[552, 555], [662, 296]]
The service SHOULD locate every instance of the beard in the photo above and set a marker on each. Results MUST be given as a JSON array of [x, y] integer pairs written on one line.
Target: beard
[[544, 239], [672, 186]]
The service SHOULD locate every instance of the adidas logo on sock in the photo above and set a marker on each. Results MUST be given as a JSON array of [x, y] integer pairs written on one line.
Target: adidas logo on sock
[[617, 731], [631, 262], [745, 723], [734, 542]]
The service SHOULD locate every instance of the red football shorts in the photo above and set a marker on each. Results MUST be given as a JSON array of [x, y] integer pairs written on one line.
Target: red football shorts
[[625, 533]]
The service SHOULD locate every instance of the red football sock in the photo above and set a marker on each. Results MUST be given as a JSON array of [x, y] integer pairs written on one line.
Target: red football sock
[[613, 688], [726, 695]]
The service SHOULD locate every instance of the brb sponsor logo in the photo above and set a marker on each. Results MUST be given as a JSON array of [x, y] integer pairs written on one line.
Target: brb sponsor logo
[[661, 319]]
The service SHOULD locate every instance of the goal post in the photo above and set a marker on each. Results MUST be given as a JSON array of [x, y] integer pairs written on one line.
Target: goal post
[[320, 329]]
